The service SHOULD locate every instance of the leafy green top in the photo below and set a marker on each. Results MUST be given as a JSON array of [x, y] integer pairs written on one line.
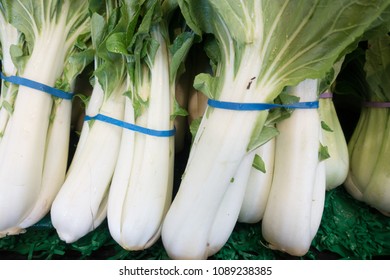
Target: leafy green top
[[297, 39]]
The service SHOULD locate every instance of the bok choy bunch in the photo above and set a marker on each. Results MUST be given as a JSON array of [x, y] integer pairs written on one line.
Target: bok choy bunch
[[337, 164], [81, 204], [369, 149], [296, 198], [263, 46], [142, 185], [34, 143]]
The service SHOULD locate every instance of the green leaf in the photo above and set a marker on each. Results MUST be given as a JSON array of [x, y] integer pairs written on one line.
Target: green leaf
[[377, 67], [98, 29], [286, 98], [19, 58], [32, 17], [264, 134], [289, 49], [206, 84], [178, 110], [8, 107], [84, 99], [179, 50], [148, 18], [116, 43], [75, 64], [194, 126], [352, 78], [327, 83], [236, 16], [109, 37], [213, 52], [306, 54], [323, 153], [326, 127], [379, 27], [259, 164]]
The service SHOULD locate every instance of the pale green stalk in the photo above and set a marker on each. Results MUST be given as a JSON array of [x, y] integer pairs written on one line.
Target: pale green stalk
[[367, 179]]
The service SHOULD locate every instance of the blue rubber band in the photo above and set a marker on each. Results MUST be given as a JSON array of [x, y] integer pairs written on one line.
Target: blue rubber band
[[260, 106], [148, 131], [36, 85]]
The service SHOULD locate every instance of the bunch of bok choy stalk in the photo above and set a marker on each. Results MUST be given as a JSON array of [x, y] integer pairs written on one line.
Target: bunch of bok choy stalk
[[260, 178], [295, 203], [368, 147], [142, 185], [246, 196], [263, 46], [34, 144], [337, 164], [81, 204], [261, 174]]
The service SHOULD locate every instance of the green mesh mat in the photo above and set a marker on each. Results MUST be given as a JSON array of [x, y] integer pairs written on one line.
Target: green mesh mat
[[349, 230]]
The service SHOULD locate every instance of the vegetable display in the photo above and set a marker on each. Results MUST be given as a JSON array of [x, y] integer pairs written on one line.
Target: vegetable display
[[198, 118]]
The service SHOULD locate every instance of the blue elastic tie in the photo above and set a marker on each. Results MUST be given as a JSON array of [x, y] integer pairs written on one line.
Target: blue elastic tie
[[148, 131], [260, 106], [35, 85]]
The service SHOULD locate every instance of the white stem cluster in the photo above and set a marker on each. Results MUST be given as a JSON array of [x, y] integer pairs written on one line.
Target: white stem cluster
[[81, 204], [337, 164], [141, 190], [368, 172], [258, 185], [296, 199], [29, 157], [190, 223]]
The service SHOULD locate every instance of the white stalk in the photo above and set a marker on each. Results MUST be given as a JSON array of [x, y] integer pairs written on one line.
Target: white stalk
[[8, 36], [213, 162], [258, 186], [364, 148], [120, 180], [55, 163], [239, 197], [377, 193], [368, 178], [189, 219], [370, 186], [135, 218], [318, 198], [338, 163], [22, 149], [93, 107], [289, 217], [80, 205], [229, 208]]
